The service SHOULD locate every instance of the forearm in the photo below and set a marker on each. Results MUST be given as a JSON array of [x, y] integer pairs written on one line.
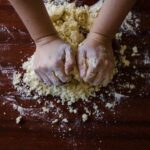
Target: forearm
[[111, 16], [35, 17]]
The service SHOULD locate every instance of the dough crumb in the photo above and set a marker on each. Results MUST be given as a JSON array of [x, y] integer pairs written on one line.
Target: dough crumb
[[72, 24], [84, 117], [18, 119], [65, 120], [54, 121]]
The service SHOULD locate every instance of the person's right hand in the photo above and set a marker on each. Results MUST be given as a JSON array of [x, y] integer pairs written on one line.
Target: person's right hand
[[53, 60]]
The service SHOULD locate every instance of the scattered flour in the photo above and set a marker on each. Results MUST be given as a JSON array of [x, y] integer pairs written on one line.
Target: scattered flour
[[72, 24], [135, 51], [118, 36], [65, 120], [18, 119], [84, 117], [68, 21], [55, 121], [131, 23], [123, 57]]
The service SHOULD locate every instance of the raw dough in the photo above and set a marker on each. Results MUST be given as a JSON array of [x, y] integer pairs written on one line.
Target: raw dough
[[70, 22]]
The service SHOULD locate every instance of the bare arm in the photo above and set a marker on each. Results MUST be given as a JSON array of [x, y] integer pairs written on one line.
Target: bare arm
[[35, 17], [97, 47], [111, 16], [53, 58]]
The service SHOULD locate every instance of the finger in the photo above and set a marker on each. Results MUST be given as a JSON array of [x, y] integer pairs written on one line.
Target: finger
[[69, 60], [91, 73], [60, 73], [52, 77], [98, 79], [92, 69], [38, 75], [37, 71], [82, 65], [100, 74], [45, 78]]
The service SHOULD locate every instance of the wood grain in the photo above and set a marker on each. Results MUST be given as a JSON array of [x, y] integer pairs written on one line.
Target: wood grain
[[126, 129]]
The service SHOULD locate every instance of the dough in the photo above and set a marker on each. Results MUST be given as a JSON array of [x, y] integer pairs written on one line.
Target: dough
[[71, 23]]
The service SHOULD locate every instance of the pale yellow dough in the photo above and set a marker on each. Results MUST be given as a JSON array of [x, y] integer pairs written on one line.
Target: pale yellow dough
[[68, 20]]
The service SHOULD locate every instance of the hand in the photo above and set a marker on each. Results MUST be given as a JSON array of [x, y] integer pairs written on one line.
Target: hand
[[96, 60], [53, 60]]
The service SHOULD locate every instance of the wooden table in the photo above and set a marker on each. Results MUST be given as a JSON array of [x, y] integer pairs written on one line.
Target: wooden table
[[125, 128]]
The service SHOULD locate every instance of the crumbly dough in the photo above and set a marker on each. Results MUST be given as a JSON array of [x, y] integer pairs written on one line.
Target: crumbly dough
[[70, 23]]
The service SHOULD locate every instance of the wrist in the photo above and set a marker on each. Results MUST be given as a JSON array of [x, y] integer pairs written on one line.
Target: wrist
[[46, 39], [97, 38]]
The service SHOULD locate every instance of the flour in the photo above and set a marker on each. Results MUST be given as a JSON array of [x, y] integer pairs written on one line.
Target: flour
[[18, 119], [67, 20], [70, 22], [135, 51], [124, 59], [84, 117], [131, 23]]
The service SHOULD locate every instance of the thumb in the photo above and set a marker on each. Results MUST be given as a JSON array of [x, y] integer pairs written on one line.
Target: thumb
[[69, 60]]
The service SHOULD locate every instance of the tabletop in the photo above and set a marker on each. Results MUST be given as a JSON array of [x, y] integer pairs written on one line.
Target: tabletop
[[125, 127]]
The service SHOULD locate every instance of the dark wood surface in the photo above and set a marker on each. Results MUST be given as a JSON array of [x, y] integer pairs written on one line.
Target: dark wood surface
[[126, 128]]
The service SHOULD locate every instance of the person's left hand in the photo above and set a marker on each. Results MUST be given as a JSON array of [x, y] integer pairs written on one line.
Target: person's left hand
[[95, 60]]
